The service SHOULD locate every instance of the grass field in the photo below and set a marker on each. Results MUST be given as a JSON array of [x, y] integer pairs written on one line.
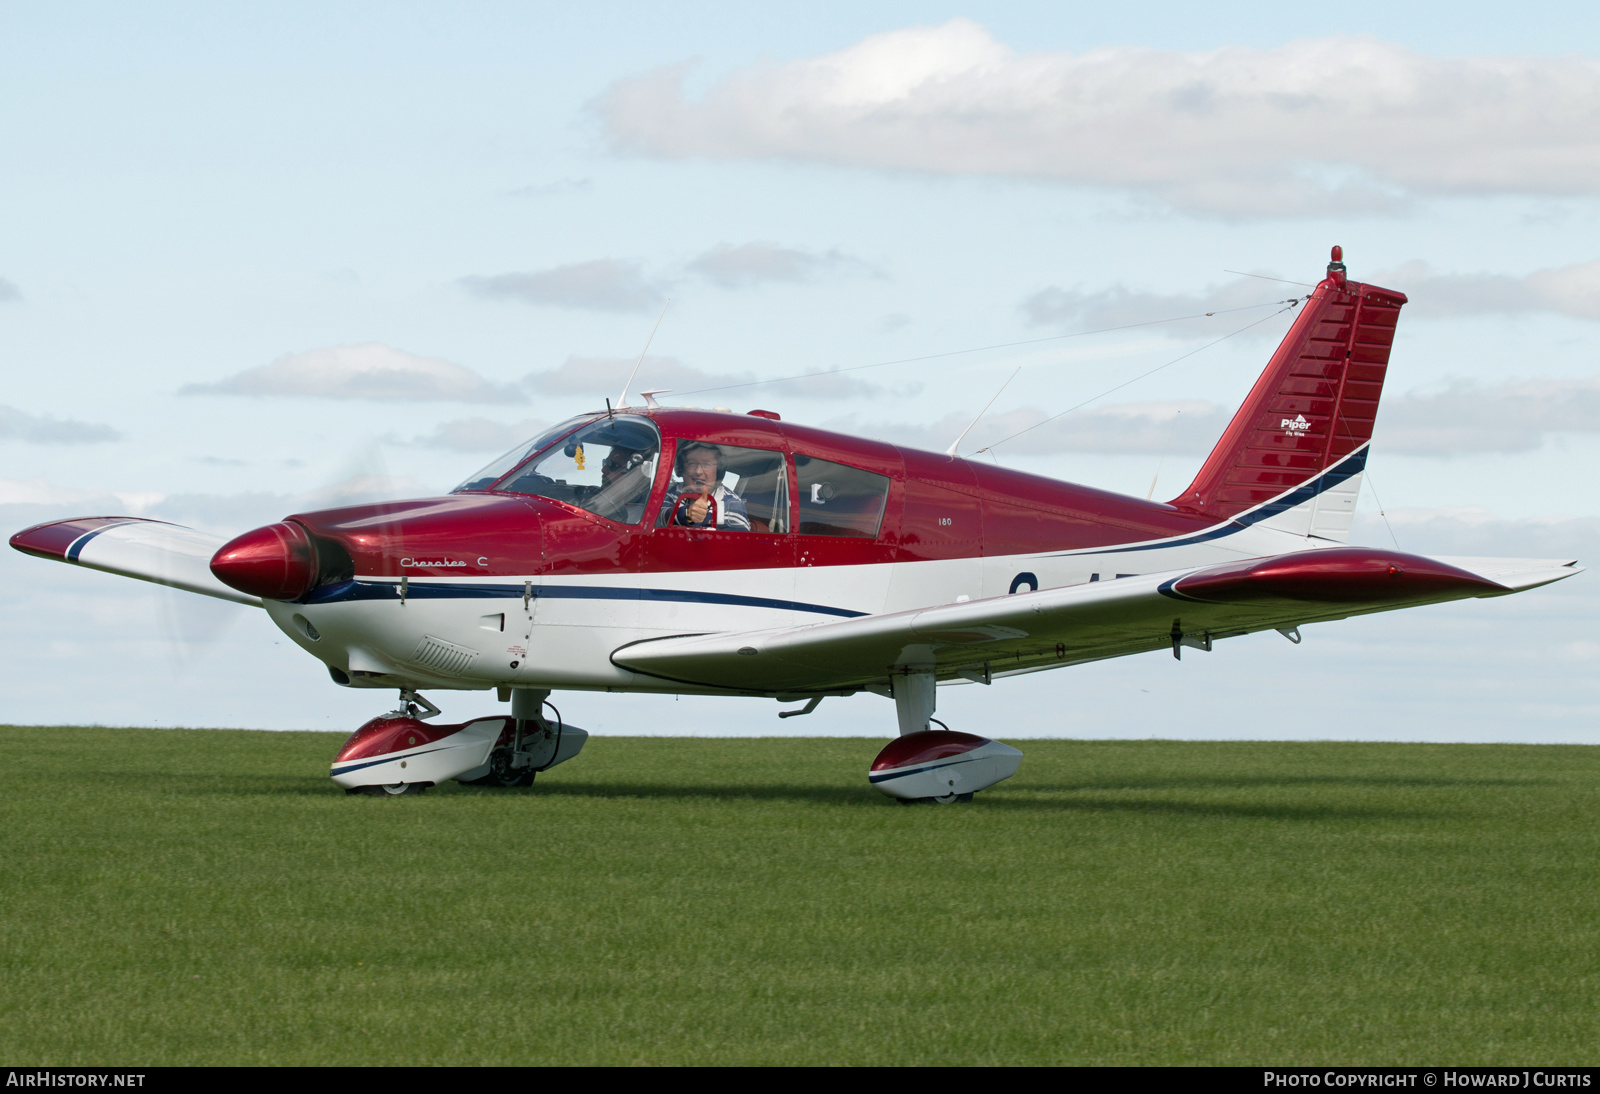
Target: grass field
[[193, 896]]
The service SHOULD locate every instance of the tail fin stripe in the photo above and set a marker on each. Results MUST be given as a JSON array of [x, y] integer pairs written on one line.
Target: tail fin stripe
[[1346, 469]]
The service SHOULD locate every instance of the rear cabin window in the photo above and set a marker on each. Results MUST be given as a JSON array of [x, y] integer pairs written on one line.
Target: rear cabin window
[[606, 468], [727, 487], [836, 500]]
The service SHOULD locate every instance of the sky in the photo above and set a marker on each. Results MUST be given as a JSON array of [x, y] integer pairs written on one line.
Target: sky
[[264, 259]]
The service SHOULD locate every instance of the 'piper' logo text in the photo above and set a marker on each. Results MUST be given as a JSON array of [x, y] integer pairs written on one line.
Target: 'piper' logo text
[[1296, 426]]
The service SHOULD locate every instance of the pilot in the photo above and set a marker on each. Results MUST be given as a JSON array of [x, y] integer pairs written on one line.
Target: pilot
[[617, 463], [623, 485], [700, 467]]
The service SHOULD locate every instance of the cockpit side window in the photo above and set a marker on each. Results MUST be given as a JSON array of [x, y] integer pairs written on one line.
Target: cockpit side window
[[606, 468], [836, 500], [730, 488]]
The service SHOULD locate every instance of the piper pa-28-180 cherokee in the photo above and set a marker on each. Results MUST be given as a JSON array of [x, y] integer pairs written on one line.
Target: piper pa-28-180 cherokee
[[687, 551]]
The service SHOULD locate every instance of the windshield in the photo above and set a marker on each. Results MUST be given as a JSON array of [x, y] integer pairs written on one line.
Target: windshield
[[606, 468], [502, 467]]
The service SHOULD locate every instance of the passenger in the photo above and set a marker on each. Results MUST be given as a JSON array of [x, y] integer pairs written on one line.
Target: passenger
[[700, 467]]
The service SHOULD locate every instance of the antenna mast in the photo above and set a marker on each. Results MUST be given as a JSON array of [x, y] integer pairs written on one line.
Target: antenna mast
[[951, 451], [622, 400]]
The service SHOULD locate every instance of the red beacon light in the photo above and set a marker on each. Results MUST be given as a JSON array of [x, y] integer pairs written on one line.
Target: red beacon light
[[771, 415], [277, 562], [1336, 265]]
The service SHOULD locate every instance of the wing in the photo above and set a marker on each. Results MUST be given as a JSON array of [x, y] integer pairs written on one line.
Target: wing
[[150, 550], [1051, 628]]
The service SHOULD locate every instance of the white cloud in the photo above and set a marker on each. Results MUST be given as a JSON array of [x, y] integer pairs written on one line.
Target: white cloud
[[1175, 427], [1215, 310], [603, 376], [1565, 290], [365, 371], [557, 188], [1465, 417], [751, 264], [363, 489], [1476, 531], [831, 384], [1325, 125], [605, 284], [34, 501], [40, 492], [19, 425], [480, 435], [1472, 417]]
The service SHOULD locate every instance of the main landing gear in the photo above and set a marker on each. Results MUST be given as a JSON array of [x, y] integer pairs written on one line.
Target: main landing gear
[[400, 753], [935, 765]]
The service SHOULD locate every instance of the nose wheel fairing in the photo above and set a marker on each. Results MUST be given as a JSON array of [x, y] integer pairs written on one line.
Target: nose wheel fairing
[[398, 748]]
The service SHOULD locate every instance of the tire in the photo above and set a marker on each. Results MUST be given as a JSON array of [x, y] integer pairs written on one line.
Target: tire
[[393, 790], [502, 776]]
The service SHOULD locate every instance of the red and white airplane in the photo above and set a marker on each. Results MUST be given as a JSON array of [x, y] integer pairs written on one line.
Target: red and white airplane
[[707, 552]]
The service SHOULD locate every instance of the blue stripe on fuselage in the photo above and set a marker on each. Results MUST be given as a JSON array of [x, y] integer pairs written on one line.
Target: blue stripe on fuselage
[[367, 590]]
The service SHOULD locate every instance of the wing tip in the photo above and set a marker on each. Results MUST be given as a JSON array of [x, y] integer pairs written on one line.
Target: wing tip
[[54, 538]]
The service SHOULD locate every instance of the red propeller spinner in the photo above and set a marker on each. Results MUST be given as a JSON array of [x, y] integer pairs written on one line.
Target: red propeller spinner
[[278, 562]]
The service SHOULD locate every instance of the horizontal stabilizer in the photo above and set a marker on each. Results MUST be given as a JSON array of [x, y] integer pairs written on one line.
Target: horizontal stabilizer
[[150, 550], [1517, 574], [1051, 628]]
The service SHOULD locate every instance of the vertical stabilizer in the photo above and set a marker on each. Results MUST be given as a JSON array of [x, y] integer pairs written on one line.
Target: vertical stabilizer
[[1295, 451]]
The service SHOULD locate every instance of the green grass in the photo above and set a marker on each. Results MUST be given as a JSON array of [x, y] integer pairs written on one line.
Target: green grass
[[193, 896]]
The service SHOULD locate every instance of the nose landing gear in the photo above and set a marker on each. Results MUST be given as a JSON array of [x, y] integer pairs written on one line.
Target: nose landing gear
[[400, 753]]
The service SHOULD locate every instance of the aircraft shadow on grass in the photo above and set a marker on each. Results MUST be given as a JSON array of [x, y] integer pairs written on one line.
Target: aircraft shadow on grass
[[1220, 810], [1058, 798], [818, 795], [1025, 802], [1255, 782]]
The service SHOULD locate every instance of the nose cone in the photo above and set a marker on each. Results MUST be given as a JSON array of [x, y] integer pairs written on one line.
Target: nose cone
[[277, 562]]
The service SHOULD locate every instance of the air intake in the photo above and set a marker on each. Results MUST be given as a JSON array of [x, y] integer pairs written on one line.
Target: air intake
[[441, 656]]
